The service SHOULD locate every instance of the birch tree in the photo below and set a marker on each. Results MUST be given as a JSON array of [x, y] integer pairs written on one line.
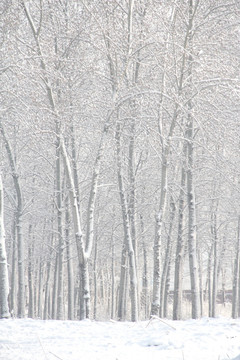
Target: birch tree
[[180, 247], [235, 295], [19, 224], [192, 234], [127, 233], [4, 284]]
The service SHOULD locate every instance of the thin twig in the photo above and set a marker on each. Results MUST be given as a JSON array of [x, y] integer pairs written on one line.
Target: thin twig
[[157, 318], [45, 354], [55, 355]]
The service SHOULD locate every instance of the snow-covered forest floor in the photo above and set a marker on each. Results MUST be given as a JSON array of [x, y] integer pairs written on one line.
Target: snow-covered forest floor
[[205, 339]]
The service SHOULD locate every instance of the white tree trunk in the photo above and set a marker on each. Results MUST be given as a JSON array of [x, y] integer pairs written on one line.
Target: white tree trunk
[[40, 290], [215, 264], [4, 285], [127, 232], [31, 310], [167, 260], [158, 240], [179, 257], [46, 312], [236, 275], [144, 295], [13, 280], [192, 226], [113, 279], [54, 289], [69, 263], [20, 242], [192, 244], [122, 285], [60, 311]]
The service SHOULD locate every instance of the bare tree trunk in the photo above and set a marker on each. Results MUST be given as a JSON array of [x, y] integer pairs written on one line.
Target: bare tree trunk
[[238, 305], [40, 290], [74, 166], [179, 257], [192, 229], [209, 280], [95, 283], [158, 239], [192, 236], [113, 280], [54, 291], [21, 264], [167, 290], [200, 281], [13, 295], [69, 263], [59, 227], [122, 286], [215, 265], [132, 191], [127, 232], [144, 297], [4, 284], [145, 284], [46, 311], [167, 260], [82, 256], [91, 212], [126, 292], [31, 310], [223, 287], [20, 242], [235, 290], [85, 289]]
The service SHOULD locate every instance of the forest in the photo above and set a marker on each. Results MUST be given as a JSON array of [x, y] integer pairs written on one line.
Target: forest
[[120, 159]]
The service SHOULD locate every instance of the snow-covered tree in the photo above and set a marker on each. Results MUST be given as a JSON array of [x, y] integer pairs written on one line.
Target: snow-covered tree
[[4, 284]]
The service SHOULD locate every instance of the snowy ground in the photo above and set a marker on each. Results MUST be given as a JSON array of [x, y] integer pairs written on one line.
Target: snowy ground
[[205, 339]]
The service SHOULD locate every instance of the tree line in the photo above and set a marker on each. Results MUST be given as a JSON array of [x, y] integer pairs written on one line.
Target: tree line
[[119, 158]]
